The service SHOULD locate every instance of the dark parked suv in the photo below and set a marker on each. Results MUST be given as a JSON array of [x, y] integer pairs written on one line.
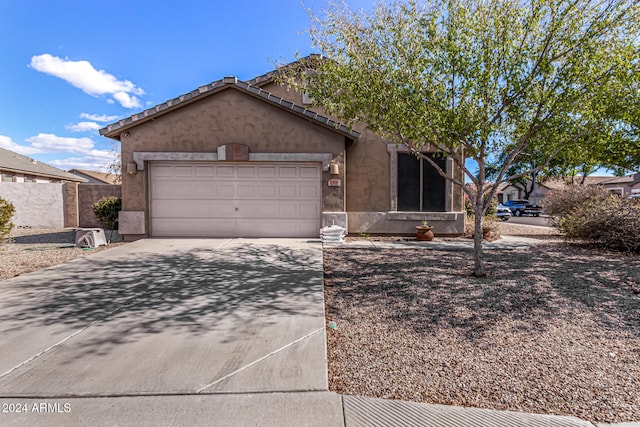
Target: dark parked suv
[[522, 207]]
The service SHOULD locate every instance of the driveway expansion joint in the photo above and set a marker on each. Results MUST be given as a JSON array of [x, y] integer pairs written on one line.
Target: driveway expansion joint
[[116, 310], [255, 362]]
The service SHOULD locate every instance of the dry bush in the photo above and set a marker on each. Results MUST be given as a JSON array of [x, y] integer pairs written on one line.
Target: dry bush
[[593, 214], [558, 203]]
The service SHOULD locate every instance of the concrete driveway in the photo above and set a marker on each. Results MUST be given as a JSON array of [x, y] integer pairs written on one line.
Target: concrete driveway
[[168, 317]]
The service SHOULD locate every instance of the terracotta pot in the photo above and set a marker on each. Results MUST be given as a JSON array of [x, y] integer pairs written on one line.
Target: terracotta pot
[[424, 233], [486, 233]]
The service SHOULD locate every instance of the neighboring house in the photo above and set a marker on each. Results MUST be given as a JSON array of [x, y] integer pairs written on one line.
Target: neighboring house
[[93, 177], [238, 159], [624, 185], [507, 191], [48, 203], [15, 167]]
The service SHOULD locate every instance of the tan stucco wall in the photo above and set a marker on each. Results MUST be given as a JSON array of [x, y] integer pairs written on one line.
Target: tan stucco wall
[[36, 204], [88, 194], [223, 118], [70, 195]]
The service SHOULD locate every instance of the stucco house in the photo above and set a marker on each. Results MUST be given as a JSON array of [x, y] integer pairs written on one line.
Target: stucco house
[[507, 191], [624, 185], [15, 167], [254, 159], [94, 177]]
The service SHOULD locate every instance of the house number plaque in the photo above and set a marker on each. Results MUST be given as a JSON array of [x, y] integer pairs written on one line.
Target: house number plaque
[[335, 183]]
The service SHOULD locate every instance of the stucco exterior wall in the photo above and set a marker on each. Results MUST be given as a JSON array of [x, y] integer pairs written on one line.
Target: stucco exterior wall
[[88, 194], [368, 186], [70, 196], [36, 204], [224, 118]]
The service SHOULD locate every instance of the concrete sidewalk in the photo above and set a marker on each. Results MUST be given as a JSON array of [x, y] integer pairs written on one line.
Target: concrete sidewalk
[[313, 409]]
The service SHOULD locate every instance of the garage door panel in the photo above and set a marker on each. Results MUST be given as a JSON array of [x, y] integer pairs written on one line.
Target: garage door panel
[[225, 190], [168, 189], [288, 171], [309, 210], [267, 172], [163, 171], [206, 209], [204, 190], [225, 171], [205, 171], [309, 172], [288, 191], [183, 171], [235, 200], [194, 228], [267, 190], [247, 190], [310, 191], [246, 172]]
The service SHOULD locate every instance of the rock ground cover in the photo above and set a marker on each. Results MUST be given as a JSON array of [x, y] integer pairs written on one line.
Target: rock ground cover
[[553, 329], [31, 249]]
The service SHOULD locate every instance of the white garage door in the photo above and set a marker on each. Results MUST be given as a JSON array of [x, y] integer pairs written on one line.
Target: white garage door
[[235, 200]]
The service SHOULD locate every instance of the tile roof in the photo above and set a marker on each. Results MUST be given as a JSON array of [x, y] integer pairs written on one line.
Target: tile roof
[[17, 163], [559, 183], [107, 178], [627, 179], [113, 130]]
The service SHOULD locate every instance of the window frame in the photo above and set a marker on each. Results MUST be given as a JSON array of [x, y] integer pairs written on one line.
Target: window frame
[[393, 151]]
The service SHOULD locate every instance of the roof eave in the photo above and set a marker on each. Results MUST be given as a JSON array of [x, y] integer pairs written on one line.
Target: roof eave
[[43, 174]]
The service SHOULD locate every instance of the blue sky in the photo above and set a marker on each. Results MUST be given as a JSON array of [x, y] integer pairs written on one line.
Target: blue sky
[[71, 67]]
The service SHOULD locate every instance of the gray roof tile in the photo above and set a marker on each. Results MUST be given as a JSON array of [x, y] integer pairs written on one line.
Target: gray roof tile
[[17, 163]]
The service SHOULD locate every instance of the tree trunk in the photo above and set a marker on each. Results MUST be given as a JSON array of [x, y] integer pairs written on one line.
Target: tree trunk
[[478, 258]]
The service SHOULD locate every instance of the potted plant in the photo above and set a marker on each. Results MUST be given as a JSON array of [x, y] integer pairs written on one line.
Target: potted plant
[[424, 231]]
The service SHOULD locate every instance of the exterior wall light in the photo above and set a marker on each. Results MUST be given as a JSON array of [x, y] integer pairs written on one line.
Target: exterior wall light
[[334, 168], [132, 169]]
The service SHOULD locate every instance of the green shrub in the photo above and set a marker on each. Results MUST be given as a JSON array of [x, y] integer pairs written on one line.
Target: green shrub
[[6, 212], [595, 215], [106, 211]]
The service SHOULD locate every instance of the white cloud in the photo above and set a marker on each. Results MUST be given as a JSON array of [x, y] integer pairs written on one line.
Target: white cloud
[[82, 151], [126, 100], [98, 118], [46, 142], [97, 160], [83, 127], [7, 143], [82, 75]]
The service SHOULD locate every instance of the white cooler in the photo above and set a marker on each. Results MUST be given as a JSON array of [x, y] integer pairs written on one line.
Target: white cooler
[[90, 237]]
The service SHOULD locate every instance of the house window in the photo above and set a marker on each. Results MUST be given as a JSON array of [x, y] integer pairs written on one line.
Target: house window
[[29, 178], [420, 188], [7, 177]]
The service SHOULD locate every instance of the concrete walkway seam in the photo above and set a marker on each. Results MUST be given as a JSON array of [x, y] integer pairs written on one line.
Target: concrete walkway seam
[[292, 343], [106, 316]]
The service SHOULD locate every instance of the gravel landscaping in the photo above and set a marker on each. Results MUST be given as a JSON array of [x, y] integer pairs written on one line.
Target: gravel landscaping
[[31, 249], [554, 329]]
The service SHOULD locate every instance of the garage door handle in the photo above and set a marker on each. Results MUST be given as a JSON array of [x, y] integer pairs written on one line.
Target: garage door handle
[[236, 209]]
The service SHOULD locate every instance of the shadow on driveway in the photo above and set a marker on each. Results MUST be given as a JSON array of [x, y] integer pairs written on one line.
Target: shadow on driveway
[[174, 301]]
